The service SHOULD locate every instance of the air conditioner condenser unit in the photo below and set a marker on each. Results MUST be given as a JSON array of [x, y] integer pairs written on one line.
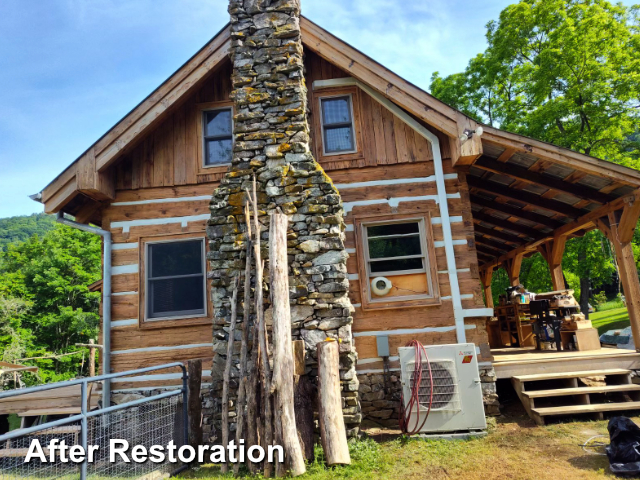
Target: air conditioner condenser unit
[[456, 403]]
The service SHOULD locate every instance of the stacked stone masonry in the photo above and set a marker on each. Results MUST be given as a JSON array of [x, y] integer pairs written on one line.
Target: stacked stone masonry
[[380, 397], [272, 142]]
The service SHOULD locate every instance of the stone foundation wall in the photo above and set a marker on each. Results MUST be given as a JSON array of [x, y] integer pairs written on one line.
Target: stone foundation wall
[[380, 399], [489, 392]]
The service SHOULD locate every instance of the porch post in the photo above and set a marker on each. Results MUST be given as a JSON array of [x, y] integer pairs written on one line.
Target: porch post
[[485, 278], [621, 226], [512, 266], [552, 252]]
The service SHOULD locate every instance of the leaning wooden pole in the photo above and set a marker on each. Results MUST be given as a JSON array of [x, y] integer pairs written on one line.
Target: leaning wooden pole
[[246, 314], [227, 369], [332, 430], [267, 419], [283, 367]]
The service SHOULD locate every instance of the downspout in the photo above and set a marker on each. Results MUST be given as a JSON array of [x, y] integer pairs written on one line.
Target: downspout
[[106, 299], [459, 313]]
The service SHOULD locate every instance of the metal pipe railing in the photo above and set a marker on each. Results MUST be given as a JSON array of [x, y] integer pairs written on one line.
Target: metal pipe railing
[[84, 413], [105, 355]]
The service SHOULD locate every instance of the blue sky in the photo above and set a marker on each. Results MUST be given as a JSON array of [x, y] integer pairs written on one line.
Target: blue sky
[[70, 69]]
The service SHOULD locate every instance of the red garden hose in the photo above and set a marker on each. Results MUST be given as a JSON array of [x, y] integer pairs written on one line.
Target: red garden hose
[[414, 402]]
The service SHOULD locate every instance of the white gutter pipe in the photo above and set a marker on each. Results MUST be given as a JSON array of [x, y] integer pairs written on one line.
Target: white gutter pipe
[[459, 312], [106, 299]]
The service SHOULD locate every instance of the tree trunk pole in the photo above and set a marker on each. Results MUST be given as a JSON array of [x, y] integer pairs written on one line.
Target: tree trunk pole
[[332, 430], [283, 370], [227, 369], [92, 359], [246, 314], [262, 336], [194, 406]]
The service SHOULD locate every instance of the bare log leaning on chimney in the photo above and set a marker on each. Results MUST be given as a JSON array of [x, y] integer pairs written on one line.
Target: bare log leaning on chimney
[[283, 370], [243, 433], [332, 430], [227, 369]]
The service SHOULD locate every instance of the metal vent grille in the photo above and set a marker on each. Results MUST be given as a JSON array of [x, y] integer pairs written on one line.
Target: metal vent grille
[[446, 395]]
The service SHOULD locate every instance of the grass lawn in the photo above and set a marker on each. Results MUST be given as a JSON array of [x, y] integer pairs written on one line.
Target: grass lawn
[[514, 449], [614, 319]]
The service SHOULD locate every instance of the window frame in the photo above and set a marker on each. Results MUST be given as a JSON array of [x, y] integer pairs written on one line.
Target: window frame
[[351, 123], [144, 320], [368, 302], [202, 109], [318, 131]]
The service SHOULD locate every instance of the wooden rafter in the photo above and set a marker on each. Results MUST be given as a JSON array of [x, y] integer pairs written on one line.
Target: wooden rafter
[[561, 156], [514, 211], [583, 223], [506, 224], [529, 176], [523, 196], [492, 243], [495, 253], [488, 251], [500, 235]]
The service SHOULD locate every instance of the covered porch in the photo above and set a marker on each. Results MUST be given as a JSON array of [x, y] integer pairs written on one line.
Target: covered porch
[[530, 197]]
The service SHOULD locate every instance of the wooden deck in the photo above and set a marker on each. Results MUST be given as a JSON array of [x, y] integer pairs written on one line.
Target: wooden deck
[[510, 362]]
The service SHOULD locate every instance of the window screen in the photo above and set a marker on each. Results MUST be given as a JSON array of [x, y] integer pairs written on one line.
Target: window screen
[[175, 279], [337, 125], [395, 248], [218, 136]]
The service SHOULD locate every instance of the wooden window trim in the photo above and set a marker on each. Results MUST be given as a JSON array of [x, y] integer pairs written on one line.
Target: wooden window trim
[[431, 272], [200, 109], [142, 297], [316, 114]]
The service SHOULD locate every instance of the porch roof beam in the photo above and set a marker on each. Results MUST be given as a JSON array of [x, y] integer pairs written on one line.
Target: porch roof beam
[[523, 196], [515, 227], [547, 181], [514, 211], [500, 235], [585, 222]]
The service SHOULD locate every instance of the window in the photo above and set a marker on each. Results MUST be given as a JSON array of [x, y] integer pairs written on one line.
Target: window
[[338, 132], [395, 249], [396, 261], [217, 129], [175, 282]]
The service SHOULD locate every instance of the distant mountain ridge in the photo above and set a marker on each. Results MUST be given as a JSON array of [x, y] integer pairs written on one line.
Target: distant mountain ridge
[[21, 228]]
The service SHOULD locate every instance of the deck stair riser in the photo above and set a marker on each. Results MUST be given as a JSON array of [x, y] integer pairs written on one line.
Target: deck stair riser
[[564, 387]]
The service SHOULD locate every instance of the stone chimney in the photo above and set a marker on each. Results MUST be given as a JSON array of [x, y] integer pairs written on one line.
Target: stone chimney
[[272, 140]]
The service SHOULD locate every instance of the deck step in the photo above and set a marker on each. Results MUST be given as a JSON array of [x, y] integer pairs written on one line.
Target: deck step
[[561, 392], [564, 375], [593, 408]]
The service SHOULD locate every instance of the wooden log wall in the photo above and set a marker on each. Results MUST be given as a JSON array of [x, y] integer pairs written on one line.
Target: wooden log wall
[[160, 193]]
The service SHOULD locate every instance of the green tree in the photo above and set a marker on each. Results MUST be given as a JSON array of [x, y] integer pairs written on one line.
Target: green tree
[[563, 71], [19, 229], [51, 276], [566, 72], [591, 260]]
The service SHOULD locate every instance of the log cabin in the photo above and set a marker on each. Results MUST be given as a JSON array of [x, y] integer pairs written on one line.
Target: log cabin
[[429, 201]]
